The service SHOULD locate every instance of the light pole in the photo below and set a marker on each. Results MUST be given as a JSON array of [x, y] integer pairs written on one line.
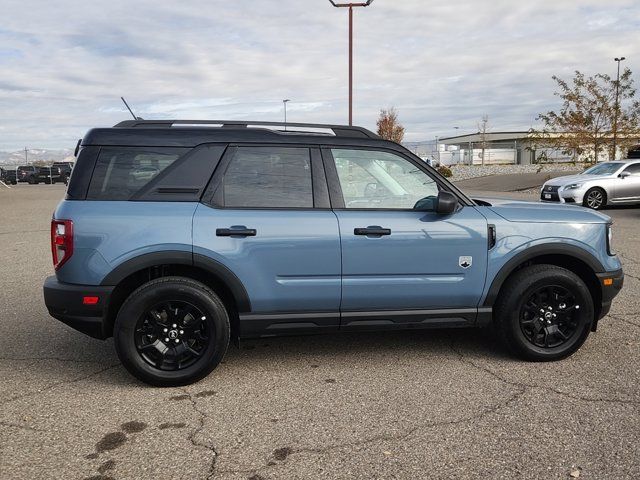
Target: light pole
[[617, 107], [350, 6], [284, 102]]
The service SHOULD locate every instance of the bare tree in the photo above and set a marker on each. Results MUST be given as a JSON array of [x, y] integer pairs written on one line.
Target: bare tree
[[389, 127], [483, 129], [585, 121]]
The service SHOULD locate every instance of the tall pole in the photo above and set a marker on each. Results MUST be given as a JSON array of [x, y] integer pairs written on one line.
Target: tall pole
[[350, 6], [617, 107], [350, 65], [26, 156], [284, 102]]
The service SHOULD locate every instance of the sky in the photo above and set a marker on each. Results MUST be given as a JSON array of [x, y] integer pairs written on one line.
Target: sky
[[441, 64]]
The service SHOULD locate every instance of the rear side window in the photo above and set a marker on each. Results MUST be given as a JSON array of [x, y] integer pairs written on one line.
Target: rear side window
[[269, 177], [121, 172]]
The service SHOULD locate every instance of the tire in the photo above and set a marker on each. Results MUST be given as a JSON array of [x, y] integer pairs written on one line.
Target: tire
[[149, 311], [526, 331], [32, 181], [595, 198]]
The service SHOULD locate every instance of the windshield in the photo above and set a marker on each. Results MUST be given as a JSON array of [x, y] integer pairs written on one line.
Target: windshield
[[603, 168]]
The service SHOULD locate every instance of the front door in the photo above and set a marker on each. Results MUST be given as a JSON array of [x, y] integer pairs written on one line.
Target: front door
[[627, 189], [262, 218], [414, 265]]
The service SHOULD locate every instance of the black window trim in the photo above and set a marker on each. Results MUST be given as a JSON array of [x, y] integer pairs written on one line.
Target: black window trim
[[213, 196], [335, 190]]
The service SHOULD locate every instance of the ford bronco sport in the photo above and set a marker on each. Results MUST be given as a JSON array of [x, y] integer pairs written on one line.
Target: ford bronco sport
[[177, 236]]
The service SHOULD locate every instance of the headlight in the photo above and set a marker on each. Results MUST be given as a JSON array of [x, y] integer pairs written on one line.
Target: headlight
[[573, 185], [609, 240]]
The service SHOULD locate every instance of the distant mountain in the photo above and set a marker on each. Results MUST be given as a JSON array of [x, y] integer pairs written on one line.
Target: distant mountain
[[36, 155]]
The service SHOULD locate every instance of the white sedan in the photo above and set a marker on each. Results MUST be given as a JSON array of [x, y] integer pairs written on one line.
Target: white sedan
[[608, 183]]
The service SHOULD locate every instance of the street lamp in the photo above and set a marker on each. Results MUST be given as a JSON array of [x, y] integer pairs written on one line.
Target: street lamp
[[284, 102], [617, 107], [350, 6]]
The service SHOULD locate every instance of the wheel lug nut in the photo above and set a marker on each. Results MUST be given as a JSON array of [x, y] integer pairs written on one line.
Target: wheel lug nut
[[177, 340], [174, 325], [181, 332], [165, 330], [166, 339]]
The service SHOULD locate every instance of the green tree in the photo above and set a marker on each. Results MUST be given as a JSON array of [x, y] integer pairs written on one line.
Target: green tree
[[585, 122]]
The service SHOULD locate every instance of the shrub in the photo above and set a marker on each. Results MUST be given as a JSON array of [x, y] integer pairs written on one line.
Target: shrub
[[445, 171]]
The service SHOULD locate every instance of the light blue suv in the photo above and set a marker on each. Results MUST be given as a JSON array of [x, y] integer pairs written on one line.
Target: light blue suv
[[177, 236]]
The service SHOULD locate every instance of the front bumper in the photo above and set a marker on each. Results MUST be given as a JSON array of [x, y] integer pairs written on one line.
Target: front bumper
[[610, 284], [65, 302], [562, 195]]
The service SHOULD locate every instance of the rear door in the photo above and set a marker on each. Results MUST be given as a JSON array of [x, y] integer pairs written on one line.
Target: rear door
[[402, 265], [266, 217]]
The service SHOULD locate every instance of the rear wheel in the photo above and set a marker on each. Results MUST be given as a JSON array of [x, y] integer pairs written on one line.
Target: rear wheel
[[171, 331], [595, 198], [545, 313]]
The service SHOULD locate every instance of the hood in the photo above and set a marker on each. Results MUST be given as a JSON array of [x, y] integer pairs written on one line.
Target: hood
[[580, 178], [538, 212]]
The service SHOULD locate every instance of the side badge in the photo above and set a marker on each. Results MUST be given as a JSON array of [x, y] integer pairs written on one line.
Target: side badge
[[465, 261]]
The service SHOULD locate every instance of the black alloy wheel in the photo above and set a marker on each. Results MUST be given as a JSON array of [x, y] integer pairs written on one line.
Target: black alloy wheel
[[172, 331], [172, 335], [544, 312], [550, 316]]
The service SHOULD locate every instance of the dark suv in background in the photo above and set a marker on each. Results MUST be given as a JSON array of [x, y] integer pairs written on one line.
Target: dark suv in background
[[57, 172]]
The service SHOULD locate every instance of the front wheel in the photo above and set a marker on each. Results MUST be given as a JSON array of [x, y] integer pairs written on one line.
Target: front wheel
[[544, 313], [595, 198], [171, 331]]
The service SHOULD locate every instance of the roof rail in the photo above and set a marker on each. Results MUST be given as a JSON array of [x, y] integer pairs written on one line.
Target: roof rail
[[338, 130]]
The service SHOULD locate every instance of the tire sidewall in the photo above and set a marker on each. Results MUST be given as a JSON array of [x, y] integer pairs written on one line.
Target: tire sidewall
[[151, 294], [514, 305]]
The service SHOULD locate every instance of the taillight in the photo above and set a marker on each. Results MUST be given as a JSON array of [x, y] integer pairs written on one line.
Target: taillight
[[61, 241]]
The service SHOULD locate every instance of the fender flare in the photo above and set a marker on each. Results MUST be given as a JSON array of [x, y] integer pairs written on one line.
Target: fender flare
[[177, 257], [536, 251]]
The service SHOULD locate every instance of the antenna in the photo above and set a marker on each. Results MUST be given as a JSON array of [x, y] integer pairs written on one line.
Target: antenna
[[128, 108]]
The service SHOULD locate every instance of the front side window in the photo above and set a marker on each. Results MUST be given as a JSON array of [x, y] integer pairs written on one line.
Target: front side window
[[268, 177], [633, 169], [372, 179]]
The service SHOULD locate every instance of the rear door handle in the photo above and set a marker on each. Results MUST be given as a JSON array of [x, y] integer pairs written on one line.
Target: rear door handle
[[372, 230], [240, 231]]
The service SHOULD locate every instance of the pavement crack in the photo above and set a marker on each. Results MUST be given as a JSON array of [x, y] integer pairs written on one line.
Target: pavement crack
[[507, 381], [57, 384], [622, 319], [192, 437], [514, 397]]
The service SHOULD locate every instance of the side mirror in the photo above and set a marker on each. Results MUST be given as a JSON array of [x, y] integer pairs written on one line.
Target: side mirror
[[446, 203], [624, 174]]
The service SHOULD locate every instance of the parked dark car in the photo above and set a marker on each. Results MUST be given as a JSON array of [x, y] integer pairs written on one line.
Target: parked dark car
[[28, 174], [58, 172], [9, 176]]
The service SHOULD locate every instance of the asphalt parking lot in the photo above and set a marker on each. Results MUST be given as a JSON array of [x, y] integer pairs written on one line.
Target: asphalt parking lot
[[433, 404]]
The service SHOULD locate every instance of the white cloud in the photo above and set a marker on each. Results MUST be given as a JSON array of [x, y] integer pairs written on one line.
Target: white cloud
[[442, 64]]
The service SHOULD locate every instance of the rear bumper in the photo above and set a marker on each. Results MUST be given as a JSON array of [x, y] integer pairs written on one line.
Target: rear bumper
[[615, 280], [65, 303]]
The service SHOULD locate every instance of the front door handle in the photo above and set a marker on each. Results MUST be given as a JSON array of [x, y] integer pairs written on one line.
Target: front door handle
[[372, 230], [236, 231]]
